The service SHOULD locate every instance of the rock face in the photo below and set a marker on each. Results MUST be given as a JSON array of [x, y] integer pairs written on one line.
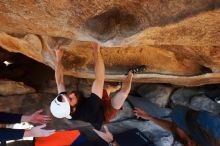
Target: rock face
[[202, 98], [179, 41], [14, 88], [157, 94]]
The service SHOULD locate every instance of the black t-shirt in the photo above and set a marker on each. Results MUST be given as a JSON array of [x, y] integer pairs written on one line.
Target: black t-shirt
[[90, 110]]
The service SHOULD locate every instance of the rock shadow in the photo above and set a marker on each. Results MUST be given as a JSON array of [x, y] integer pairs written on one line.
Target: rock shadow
[[113, 22], [123, 22]]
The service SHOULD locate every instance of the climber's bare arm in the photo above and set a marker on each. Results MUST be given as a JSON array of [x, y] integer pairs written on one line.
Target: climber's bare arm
[[59, 76], [168, 125], [98, 84]]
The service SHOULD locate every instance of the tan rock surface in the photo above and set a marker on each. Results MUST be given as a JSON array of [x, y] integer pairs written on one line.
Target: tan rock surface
[[179, 41], [14, 88]]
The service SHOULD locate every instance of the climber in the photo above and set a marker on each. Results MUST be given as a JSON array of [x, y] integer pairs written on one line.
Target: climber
[[99, 107], [190, 127], [13, 134]]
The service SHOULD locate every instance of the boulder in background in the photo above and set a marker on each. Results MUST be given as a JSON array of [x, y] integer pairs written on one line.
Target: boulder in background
[[156, 93], [8, 87]]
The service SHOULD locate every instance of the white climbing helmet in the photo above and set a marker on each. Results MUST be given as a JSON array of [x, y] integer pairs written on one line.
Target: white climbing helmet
[[60, 109]]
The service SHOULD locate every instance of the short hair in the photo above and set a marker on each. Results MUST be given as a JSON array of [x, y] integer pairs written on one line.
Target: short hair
[[79, 97], [78, 94]]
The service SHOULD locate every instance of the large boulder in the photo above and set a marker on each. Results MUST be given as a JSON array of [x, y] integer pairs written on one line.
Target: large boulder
[[183, 96], [149, 107], [177, 40], [196, 98], [11, 103], [158, 94], [201, 102], [8, 87]]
